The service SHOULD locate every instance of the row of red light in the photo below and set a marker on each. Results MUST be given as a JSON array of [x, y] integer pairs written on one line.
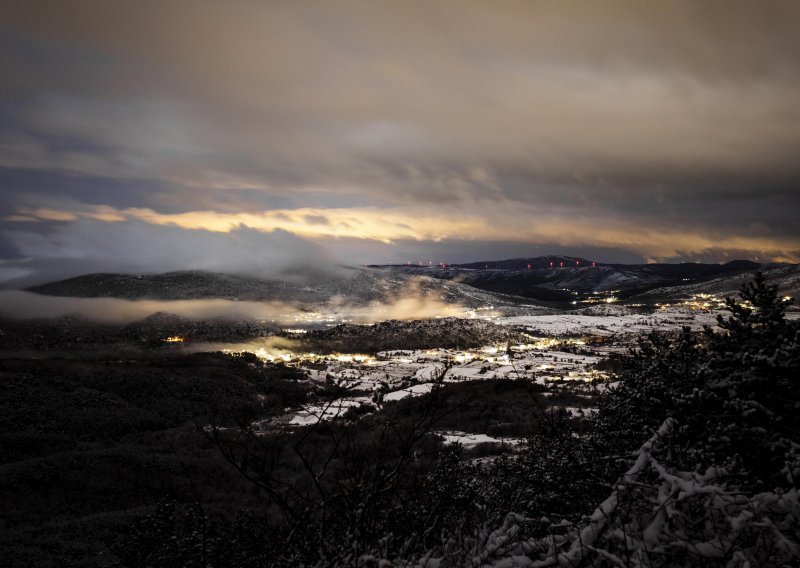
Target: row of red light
[[430, 263], [561, 264], [552, 264]]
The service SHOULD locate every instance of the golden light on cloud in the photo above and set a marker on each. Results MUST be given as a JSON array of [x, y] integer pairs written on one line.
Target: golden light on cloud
[[506, 223], [53, 215], [360, 223]]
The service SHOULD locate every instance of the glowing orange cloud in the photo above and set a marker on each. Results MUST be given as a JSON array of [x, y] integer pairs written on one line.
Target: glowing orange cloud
[[507, 223]]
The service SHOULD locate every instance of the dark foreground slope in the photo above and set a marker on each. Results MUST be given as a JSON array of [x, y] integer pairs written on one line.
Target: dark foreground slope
[[87, 446], [154, 463]]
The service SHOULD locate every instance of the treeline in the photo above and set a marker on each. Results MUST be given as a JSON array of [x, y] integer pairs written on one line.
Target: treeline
[[76, 332], [445, 333]]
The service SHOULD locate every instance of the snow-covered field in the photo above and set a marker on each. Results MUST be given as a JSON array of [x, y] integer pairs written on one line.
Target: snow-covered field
[[562, 354], [471, 440], [613, 322]]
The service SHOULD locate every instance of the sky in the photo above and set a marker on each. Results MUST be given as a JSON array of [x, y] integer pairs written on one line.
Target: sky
[[264, 136]]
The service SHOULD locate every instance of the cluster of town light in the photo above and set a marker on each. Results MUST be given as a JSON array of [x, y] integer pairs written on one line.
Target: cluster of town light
[[599, 300], [703, 302], [310, 357], [706, 303], [489, 354]]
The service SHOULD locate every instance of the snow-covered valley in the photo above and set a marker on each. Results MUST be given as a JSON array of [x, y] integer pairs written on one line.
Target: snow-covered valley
[[564, 354]]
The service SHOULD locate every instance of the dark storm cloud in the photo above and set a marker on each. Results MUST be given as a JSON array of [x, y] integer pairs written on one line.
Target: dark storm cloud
[[556, 124], [88, 246], [43, 188]]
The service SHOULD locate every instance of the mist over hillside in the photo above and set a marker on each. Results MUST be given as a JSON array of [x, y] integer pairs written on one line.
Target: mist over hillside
[[402, 291], [357, 286], [362, 295]]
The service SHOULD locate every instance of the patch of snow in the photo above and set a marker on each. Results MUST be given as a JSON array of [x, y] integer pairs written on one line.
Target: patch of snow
[[471, 440], [413, 390]]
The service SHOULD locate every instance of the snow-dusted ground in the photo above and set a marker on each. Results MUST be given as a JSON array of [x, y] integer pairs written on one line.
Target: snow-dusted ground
[[399, 374], [471, 440], [413, 390], [561, 354], [612, 323], [326, 410]]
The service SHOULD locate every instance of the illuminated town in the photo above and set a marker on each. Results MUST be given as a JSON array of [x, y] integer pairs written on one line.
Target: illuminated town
[[562, 353]]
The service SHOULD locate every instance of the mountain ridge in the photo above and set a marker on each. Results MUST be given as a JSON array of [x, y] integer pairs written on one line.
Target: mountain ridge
[[507, 281], [545, 279], [360, 287]]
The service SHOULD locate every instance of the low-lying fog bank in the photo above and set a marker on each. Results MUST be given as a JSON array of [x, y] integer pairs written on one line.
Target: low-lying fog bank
[[27, 305]]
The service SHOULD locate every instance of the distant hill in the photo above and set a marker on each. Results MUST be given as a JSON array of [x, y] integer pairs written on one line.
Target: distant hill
[[559, 278], [358, 287], [170, 286], [478, 284], [539, 262], [785, 276]]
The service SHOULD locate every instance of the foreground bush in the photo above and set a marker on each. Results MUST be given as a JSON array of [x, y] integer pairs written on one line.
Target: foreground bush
[[711, 426]]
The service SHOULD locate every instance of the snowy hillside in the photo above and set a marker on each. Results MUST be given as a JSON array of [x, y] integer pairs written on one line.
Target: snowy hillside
[[560, 279]]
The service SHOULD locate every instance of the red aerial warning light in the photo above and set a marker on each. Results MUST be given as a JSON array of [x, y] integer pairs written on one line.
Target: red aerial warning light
[[551, 265], [594, 264], [529, 267], [562, 264], [577, 263]]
